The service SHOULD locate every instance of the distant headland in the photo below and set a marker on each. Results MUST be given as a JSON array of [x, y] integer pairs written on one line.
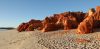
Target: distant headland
[[7, 28]]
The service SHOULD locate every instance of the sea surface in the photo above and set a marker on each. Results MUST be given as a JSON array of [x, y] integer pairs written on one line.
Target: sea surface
[[3, 29]]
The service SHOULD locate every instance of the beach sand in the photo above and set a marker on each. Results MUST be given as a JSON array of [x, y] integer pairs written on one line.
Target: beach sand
[[60, 39]]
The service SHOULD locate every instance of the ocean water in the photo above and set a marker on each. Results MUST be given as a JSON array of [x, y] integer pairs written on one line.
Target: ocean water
[[3, 29]]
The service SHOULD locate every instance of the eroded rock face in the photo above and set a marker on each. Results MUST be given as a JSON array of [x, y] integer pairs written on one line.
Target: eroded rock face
[[89, 23], [49, 23], [66, 21], [97, 20], [22, 27], [84, 22], [29, 26], [35, 23], [97, 8], [50, 27], [85, 27]]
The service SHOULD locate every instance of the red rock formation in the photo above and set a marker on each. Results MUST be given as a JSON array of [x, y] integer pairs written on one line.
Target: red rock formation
[[70, 22], [97, 8], [50, 27], [66, 20], [29, 26], [85, 27], [22, 27], [84, 22], [89, 23], [49, 24], [35, 23], [97, 20]]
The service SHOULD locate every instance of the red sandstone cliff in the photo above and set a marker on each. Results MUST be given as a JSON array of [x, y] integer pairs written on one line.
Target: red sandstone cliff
[[84, 22]]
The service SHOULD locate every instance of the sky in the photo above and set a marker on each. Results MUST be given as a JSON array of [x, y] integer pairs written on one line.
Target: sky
[[14, 12]]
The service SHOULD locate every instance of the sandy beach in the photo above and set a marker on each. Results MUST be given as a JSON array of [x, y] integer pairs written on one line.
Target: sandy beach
[[60, 39]]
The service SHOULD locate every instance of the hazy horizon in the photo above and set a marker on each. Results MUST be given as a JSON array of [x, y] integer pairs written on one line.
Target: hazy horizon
[[14, 12]]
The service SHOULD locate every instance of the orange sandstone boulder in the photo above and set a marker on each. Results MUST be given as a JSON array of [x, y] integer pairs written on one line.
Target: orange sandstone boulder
[[97, 8], [85, 27], [89, 23]]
